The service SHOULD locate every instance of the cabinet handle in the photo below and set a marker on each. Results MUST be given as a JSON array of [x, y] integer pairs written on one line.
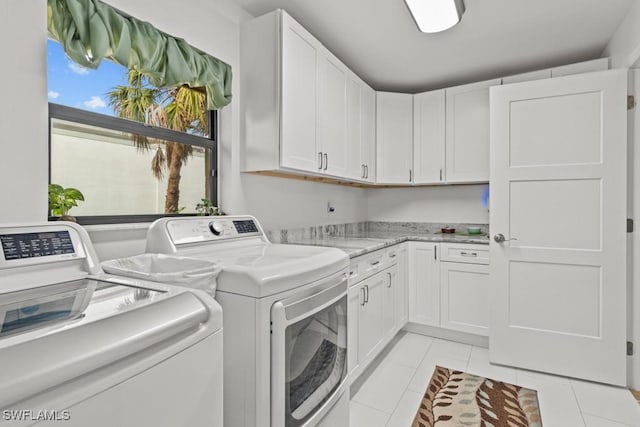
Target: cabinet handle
[[363, 173], [435, 252], [389, 285], [374, 263], [363, 297], [392, 255], [410, 175], [440, 174], [472, 254], [366, 287], [366, 171], [326, 161], [320, 160]]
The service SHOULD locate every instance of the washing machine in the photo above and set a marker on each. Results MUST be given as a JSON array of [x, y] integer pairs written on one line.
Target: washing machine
[[285, 316], [79, 347]]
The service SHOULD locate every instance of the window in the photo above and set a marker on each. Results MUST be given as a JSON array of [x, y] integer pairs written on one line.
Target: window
[[135, 151]]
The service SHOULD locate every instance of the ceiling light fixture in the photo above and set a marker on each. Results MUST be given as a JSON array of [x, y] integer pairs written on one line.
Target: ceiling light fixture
[[433, 16]]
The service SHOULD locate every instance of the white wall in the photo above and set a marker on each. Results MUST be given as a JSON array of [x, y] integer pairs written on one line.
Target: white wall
[[23, 111], [454, 204], [624, 46]]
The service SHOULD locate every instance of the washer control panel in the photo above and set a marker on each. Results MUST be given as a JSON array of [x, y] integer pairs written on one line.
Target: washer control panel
[[39, 244], [193, 230]]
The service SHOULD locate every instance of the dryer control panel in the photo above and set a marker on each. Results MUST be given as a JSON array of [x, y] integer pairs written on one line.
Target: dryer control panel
[[194, 230]]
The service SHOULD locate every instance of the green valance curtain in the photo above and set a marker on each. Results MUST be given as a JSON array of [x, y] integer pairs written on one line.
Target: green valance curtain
[[90, 31]]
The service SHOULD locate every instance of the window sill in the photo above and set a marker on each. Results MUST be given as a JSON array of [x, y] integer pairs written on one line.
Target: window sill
[[117, 227]]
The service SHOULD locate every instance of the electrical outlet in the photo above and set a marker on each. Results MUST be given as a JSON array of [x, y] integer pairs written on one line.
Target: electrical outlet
[[330, 207]]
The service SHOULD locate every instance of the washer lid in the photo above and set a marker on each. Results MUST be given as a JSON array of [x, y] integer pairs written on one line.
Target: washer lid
[[86, 324], [265, 269]]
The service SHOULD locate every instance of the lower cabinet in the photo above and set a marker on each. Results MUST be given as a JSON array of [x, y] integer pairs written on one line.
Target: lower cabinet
[[371, 315], [436, 284], [449, 286], [424, 283], [377, 307], [400, 285], [464, 293]]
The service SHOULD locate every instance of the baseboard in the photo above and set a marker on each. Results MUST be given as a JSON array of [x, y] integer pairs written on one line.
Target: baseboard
[[447, 334]]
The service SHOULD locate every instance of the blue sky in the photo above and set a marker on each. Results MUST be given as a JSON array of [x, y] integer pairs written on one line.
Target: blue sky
[[75, 86]]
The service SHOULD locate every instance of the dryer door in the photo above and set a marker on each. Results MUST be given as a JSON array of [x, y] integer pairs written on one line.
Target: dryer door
[[312, 348]]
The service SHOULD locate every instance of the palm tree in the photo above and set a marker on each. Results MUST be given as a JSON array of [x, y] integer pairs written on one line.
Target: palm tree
[[178, 108]]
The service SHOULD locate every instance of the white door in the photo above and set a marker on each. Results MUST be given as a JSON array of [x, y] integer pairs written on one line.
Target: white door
[[394, 135], [428, 137], [558, 186], [368, 142], [468, 132], [424, 283], [332, 115], [299, 103]]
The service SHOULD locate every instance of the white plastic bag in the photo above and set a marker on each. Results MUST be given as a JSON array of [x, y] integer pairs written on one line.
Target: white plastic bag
[[168, 269]]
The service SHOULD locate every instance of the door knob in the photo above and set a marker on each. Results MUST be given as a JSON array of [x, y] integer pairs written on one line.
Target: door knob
[[499, 238]]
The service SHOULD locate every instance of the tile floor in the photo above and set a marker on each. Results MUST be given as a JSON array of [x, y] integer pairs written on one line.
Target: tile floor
[[391, 393]]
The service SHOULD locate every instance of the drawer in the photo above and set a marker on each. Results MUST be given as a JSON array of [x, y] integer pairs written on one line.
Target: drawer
[[467, 253], [392, 255], [367, 265]]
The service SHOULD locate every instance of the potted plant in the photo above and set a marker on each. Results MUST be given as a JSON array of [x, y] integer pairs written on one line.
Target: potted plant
[[61, 200], [206, 208]]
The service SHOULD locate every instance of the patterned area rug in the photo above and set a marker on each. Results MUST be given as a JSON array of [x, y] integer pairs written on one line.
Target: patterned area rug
[[455, 398]]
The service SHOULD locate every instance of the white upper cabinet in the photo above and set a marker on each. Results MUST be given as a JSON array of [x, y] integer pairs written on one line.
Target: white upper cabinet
[[299, 92], [355, 166], [368, 134], [279, 102], [302, 110], [467, 132], [332, 115], [361, 130], [394, 132], [429, 137]]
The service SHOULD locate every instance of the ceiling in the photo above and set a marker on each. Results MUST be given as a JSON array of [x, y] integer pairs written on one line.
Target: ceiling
[[379, 41]]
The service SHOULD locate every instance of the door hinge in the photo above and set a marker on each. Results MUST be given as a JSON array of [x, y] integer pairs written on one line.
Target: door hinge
[[213, 172], [629, 348], [631, 102], [629, 225]]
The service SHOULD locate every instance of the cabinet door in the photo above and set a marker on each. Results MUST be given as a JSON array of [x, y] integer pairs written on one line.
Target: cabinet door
[[355, 165], [467, 136], [355, 300], [464, 289], [332, 114], [368, 141], [299, 90], [388, 305], [394, 132], [424, 283], [401, 286], [428, 137], [370, 321]]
